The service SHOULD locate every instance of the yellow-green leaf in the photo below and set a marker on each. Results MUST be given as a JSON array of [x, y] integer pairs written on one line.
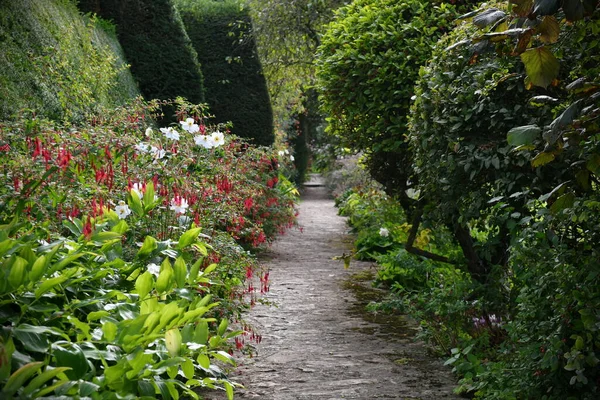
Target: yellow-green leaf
[[19, 377], [549, 29], [541, 66], [17, 272], [180, 270], [143, 284], [173, 341], [188, 237], [148, 246], [542, 159]]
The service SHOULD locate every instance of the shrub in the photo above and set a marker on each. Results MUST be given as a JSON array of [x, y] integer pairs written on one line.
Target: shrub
[[155, 42], [63, 65], [236, 89]]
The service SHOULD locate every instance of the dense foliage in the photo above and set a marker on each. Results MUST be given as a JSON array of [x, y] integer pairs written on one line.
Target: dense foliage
[[155, 42], [504, 156], [59, 63], [121, 253], [236, 88], [368, 62]]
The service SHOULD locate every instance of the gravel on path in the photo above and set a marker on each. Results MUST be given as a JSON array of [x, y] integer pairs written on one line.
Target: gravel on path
[[318, 342]]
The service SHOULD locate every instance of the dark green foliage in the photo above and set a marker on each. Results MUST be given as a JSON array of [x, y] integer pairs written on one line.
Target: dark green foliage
[[368, 62], [236, 89], [153, 37], [58, 63]]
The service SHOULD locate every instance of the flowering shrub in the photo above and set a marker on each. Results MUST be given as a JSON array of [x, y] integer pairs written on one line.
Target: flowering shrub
[[121, 253]]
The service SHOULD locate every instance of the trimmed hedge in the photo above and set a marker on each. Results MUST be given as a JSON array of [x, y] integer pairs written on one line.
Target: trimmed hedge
[[236, 89], [59, 63], [162, 58]]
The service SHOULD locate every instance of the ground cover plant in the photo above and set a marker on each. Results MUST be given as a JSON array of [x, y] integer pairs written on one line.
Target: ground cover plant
[[124, 252]]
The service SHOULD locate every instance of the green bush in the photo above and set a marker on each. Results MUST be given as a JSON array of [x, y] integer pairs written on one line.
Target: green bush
[[235, 85], [155, 42], [367, 65], [59, 63]]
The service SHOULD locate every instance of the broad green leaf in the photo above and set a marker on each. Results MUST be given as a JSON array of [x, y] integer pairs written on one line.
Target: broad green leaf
[[228, 390], [70, 355], [138, 363], [19, 377], [121, 227], [522, 7], [223, 356], [49, 284], [87, 388], [188, 368], [523, 135], [209, 269], [43, 392], [593, 164], [575, 10], [194, 271], [563, 202], [541, 66], [561, 122], [144, 284], [82, 326], [109, 331], [146, 388], [180, 272], [41, 379], [201, 332], [102, 237], [135, 203], [32, 339], [59, 266], [6, 245], [204, 361], [38, 269], [17, 273], [173, 342], [96, 315], [165, 277], [542, 159], [149, 196], [188, 237], [148, 246], [549, 29], [223, 327]]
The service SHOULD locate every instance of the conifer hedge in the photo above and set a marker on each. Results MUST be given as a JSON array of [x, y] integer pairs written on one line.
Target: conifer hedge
[[58, 63], [156, 45], [236, 88]]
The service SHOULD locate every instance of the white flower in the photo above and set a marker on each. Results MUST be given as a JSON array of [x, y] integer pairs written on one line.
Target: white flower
[[205, 141], [122, 210], [153, 269], [157, 153], [179, 205], [292, 158], [170, 133], [384, 232], [189, 125], [138, 188], [286, 151], [218, 138], [281, 153], [148, 132], [142, 147]]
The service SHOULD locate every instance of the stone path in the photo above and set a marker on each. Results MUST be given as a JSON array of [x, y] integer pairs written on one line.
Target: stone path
[[318, 342]]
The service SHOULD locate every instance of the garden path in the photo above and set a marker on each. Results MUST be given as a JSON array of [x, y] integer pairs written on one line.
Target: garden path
[[318, 342]]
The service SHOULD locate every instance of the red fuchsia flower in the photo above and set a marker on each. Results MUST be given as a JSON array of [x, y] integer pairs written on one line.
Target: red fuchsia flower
[[5, 148], [97, 208], [87, 229], [64, 158], [248, 203], [37, 148], [249, 272], [223, 185]]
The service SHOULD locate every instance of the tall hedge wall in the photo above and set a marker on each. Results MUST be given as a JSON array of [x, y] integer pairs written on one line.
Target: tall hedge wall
[[152, 34], [236, 89], [57, 62]]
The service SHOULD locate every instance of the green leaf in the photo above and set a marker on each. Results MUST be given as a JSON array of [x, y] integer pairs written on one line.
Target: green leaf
[[17, 273], [149, 196], [96, 315], [180, 270], [209, 269], [545, 7], [144, 284], [204, 361], [201, 332], [565, 119], [148, 246], [223, 327], [173, 342], [38, 269], [165, 277], [38, 381], [19, 377], [542, 159], [522, 7], [228, 390], [102, 237], [87, 388], [565, 201], [488, 17], [541, 66], [188, 368], [188, 237], [135, 203], [575, 10], [523, 135], [194, 271], [49, 284], [121, 227], [109, 331], [70, 355]]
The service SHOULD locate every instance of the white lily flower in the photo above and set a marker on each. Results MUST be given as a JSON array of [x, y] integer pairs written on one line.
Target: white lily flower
[[281, 153], [142, 147], [157, 153], [122, 210], [292, 158], [179, 205], [205, 141]]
